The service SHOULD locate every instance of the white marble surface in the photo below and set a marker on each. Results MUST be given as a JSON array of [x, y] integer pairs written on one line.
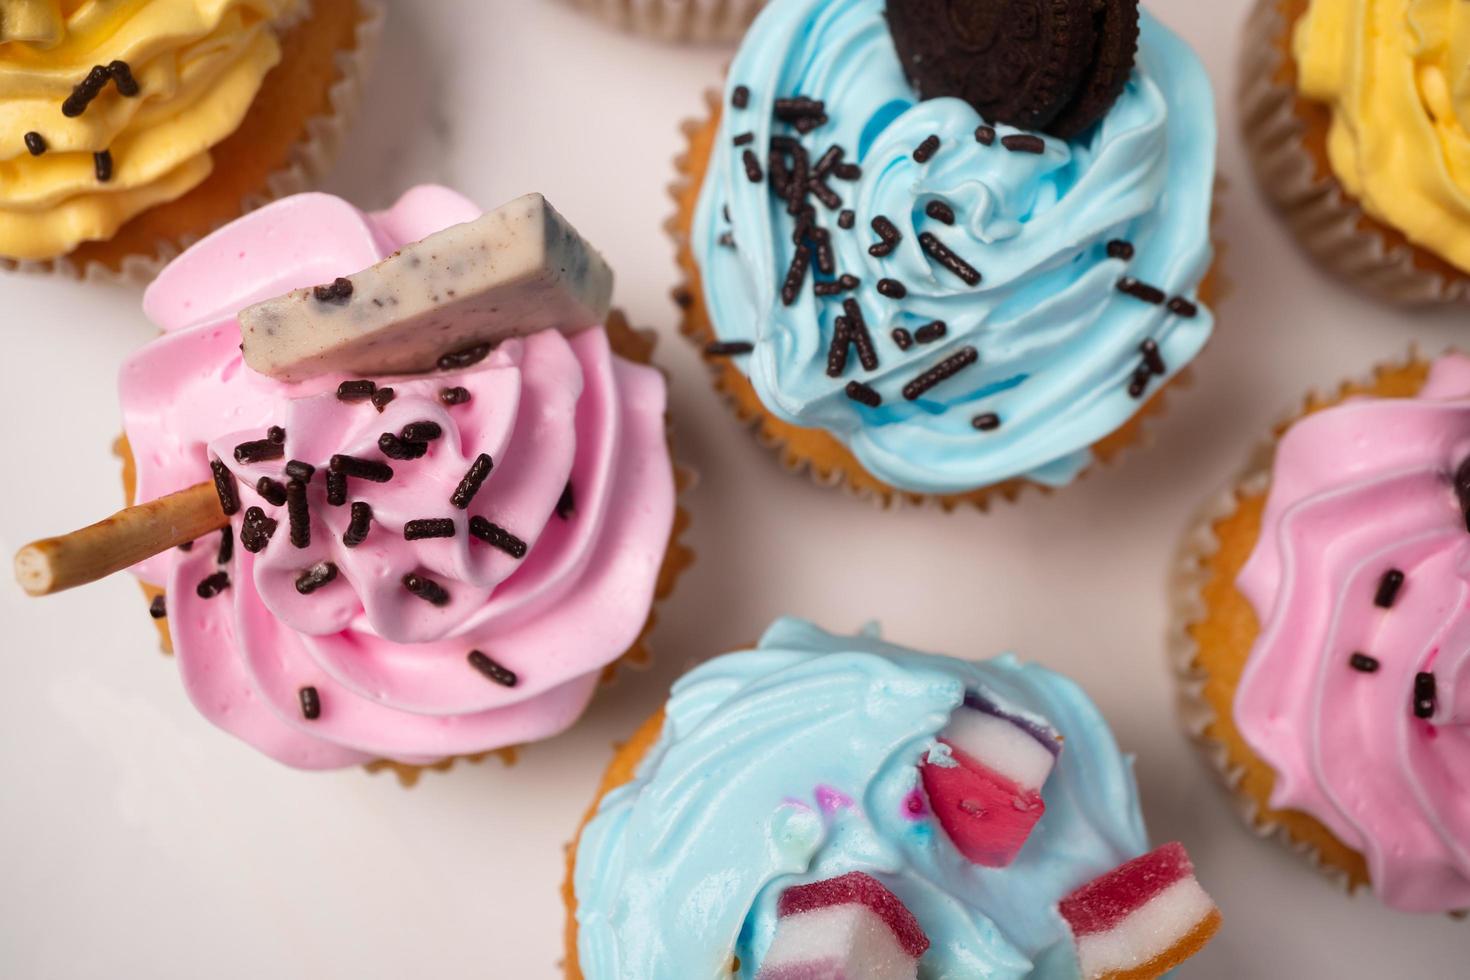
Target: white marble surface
[[137, 841]]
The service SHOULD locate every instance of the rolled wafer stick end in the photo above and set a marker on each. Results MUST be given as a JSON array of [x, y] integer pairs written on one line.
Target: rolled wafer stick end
[[33, 570]]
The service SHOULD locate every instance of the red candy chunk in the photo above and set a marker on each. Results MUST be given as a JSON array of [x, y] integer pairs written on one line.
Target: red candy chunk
[[1141, 919]]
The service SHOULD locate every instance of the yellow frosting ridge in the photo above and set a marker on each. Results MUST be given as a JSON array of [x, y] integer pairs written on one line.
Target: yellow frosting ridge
[[198, 64], [1395, 75]]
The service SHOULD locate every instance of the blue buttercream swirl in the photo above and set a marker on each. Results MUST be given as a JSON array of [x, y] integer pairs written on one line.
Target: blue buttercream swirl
[[798, 761], [1058, 343]]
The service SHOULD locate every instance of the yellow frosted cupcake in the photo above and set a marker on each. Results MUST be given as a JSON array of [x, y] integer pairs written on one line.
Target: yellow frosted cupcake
[[129, 128]]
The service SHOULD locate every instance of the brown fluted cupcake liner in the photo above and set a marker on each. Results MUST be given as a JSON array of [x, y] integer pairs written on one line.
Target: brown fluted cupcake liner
[[815, 452], [678, 20], [1213, 628], [1286, 141], [627, 342], [285, 145]]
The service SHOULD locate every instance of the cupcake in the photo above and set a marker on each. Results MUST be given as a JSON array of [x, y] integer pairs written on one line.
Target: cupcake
[[129, 130], [830, 803], [413, 567], [1357, 121], [1321, 604], [677, 20], [929, 263]]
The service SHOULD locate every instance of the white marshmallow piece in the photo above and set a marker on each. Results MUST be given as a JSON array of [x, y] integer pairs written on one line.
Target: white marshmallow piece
[[1001, 746], [514, 271]]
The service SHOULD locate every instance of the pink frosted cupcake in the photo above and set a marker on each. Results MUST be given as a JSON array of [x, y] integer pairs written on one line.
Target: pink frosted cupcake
[[415, 568]]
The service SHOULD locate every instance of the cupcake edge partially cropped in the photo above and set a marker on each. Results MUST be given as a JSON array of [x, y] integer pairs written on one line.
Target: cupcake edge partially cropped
[[1285, 139], [139, 251], [1204, 599], [815, 452], [700, 21]]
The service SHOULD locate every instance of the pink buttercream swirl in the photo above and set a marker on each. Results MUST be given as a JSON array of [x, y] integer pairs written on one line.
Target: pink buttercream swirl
[[1358, 490], [391, 671]]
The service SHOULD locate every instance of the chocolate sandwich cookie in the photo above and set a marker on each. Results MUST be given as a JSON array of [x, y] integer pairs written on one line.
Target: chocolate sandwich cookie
[[1047, 65]]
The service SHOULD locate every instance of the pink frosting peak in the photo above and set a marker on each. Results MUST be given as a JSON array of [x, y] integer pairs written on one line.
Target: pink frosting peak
[[581, 492], [1359, 491]]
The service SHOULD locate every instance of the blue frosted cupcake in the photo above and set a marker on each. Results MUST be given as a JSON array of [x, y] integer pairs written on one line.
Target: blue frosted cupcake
[[917, 297], [824, 797]]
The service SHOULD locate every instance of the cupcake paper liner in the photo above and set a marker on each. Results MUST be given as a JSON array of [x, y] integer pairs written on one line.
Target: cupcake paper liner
[[678, 20], [1285, 138], [813, 452], [1207, 563], [307, 162], [629, 343]]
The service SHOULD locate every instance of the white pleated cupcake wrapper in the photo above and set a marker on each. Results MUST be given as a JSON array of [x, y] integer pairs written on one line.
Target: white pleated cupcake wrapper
[[678, 20], [1317, 209], [309, 161]]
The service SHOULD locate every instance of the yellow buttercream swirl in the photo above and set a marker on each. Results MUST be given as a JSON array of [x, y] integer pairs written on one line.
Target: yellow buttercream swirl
[[198, 64], [1395, 75]]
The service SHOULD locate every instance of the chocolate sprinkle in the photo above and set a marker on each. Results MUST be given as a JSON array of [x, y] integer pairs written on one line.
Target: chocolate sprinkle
[[890, 234], [892, 288], [454, 396], [426, 589], [424, 431], [224, 485], [846, 220], [1424, 695], [985, 135], [1364, 663], [276, 434], [102, 164], [1140, 290], [297, 470], [926, 150], [1151, 356], [1139, 382], [36, 143], [864, 394], [311, 703], [361, 469], [257, 529], [336, 488], [740, 98], [356, 391], [795, 275], [85, 91], [337, 292], [728, 348], [497, 537], [1119, 249], [272, 491], [258, 451], [988, 422], [213, 585], [940, 253], [401, 449], [1023, 143], [867, 355], [566, 504], [158, 609], [382, 397], [122, 77], [944, 370], [837, 349], [931, 332], [298, 513], [359, 525], [315, 577], [847, 171], [500, 675], [226, 545], [745, 139], [940, 212], [902, 338], [1180, 306], [473, 479], [752, 166], [1388, 588], [429, 527], [460, 359]]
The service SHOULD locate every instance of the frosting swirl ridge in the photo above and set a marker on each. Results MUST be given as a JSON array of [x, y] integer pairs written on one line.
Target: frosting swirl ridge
[[1359, 491], [1056, 341]]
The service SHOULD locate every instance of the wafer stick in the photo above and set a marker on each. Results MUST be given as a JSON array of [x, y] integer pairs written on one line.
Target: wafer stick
[[119, 542]]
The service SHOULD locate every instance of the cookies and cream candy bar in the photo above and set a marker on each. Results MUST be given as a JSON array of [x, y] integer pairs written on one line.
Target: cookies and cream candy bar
[[517, 270]]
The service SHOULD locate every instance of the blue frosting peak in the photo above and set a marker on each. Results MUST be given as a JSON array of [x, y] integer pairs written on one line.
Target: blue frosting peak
[[798, 761], [1058, 343]]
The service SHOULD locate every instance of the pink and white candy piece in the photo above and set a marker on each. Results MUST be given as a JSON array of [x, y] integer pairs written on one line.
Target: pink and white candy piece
[[1142, 918], [989, 799], [847, 928]]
